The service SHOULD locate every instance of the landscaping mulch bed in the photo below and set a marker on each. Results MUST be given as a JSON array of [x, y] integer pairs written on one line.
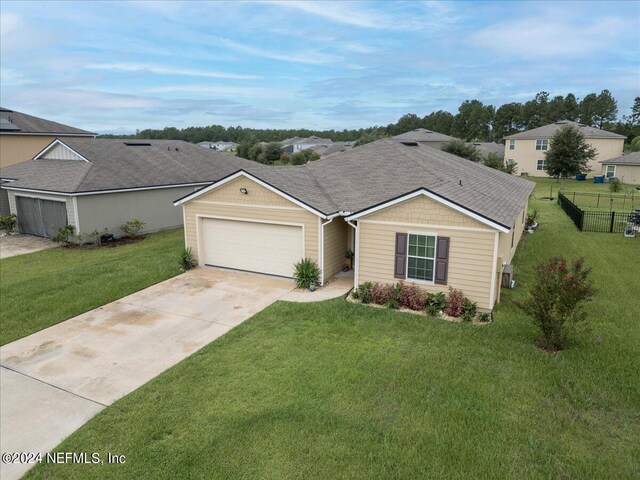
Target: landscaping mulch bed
[[442, 316], [118, 242]]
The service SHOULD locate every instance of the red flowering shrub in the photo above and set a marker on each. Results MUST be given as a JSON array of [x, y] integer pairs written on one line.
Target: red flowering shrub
[[556, 302], [381, 293], [412, 297], [455, 303]]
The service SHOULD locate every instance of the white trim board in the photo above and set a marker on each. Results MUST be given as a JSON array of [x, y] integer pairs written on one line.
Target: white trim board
[[43, 197], [437, 198], [242, 173]]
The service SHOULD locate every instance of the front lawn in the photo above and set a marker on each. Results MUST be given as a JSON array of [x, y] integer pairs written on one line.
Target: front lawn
[[44, 288], [338, 390]]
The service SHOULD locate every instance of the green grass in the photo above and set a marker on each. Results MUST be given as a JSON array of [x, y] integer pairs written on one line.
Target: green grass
[[337, 390], [44, 288]]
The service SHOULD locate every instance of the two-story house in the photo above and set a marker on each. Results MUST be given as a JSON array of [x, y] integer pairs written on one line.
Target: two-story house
[[528, 148]]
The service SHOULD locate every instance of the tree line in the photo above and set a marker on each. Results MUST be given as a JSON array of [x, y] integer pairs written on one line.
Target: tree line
[[474, 121]]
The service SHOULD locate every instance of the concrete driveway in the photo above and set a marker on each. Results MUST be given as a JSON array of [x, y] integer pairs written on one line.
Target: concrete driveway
[[55, 380], [12, 245]]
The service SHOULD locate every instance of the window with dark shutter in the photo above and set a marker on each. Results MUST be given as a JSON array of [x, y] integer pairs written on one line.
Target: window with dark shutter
[[401, 256], [442, 261]]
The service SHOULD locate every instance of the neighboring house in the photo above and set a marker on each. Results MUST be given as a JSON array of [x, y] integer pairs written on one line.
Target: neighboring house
[[410, 213], [425, 137], [297, 144], [22, 136], [98, 184], [486, 148], [625, 168], [333, 148], [527, 148], [219, 146]]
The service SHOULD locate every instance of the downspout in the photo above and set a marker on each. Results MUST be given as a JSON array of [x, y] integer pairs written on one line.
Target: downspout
[[356, 258]]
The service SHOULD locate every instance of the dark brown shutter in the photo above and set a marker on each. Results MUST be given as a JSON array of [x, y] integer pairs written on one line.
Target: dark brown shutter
[[442, 260], [401, 256]]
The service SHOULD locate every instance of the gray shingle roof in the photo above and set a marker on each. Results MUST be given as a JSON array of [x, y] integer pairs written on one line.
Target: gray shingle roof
[[423, 135], [377, 172], [114, 165], [485, 148], [548, 131], [26, 124], [350, 181], [626, 159]]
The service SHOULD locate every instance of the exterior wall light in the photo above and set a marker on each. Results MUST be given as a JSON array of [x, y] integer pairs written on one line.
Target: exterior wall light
[[243, 191]]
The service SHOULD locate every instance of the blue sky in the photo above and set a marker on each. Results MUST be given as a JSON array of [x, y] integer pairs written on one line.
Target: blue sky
[[116, 67]]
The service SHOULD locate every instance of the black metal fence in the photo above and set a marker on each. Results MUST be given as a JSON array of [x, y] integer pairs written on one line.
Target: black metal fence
[[623, 202], [593, 221]]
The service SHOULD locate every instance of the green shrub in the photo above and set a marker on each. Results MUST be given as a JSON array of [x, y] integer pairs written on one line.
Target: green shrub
[[364, 292], [469, 309], [187, 260], [484, 317], [306, 272], [556, 301], [438, 300], [8, 223], [394, 301], [455, 303], [132, 227], [510, 167], [432, 310], [615, 186], [63, 234]]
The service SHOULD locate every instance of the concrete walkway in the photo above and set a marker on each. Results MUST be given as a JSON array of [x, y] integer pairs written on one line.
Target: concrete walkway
[[12, 245], [55, 380], [336, 287]]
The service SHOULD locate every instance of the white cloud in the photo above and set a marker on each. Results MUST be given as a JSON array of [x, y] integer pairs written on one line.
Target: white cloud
[[550, 35], [308, 56], [159, 69]]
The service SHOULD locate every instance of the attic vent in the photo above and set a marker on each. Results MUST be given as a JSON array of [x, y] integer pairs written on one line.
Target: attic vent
[[137, 144], [410, 144]]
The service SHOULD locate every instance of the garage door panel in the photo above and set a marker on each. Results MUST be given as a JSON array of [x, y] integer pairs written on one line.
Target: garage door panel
[[252, 246], [37, 216]]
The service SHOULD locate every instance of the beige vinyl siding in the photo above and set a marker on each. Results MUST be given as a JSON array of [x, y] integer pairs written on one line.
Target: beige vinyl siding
[[425, 211], [629, 174], [471, 246], [526, 155], [19, 148], [336, 238], [504, 248], [259, 204]]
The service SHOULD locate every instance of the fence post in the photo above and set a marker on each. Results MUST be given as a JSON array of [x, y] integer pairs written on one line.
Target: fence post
[[598, 203], [613, 217]]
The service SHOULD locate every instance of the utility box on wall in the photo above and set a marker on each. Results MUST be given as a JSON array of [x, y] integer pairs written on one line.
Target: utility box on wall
[[507, 277]]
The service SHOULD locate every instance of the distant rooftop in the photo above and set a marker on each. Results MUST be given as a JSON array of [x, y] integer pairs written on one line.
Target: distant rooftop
[[423, 135], [632, 158], [12, 122], [548, 131]]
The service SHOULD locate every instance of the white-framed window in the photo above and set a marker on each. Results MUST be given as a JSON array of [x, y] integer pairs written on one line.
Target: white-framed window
[[542, 144], [512, 144], [541, 164], [421, 257], [611, 171]]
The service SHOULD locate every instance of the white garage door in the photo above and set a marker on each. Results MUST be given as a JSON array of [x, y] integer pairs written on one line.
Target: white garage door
[[255, 247]]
